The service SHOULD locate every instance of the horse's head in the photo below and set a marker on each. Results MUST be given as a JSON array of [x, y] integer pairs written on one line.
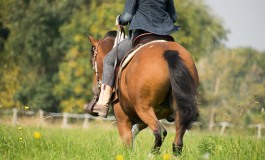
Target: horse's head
[[99, 49]]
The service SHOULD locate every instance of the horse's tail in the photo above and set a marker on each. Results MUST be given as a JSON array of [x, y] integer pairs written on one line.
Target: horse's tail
[[184, 90]]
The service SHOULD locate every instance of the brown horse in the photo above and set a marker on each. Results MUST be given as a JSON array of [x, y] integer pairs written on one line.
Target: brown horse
[[160, 82]]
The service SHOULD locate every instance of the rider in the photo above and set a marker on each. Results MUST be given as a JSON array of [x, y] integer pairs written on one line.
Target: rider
[[155, 16]]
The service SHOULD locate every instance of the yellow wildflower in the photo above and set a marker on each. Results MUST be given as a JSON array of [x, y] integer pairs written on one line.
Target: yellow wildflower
[[26, 107], [20, 138], [19, 128], [166, 156], [36, 135], [119, 157]]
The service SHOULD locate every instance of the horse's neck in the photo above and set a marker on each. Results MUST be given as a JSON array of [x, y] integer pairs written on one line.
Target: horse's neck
[[106, 45]]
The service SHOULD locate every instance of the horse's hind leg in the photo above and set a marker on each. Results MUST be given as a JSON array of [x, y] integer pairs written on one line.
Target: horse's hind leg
[[136, 129], [159, 131], [160, 134], [180, 131]]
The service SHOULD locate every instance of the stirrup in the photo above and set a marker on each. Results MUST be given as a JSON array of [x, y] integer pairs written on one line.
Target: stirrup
[[90, 106]]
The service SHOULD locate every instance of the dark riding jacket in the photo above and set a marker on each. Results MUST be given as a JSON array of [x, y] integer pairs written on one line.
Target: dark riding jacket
[[155, 16]]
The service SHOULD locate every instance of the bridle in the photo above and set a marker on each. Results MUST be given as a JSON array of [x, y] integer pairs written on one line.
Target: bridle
[[96, 91], [95, 65]]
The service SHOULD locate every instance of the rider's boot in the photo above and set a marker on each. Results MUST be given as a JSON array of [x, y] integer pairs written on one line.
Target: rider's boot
[[102, 106]]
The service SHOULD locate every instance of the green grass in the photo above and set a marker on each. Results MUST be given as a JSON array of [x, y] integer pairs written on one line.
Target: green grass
[[101, 142]]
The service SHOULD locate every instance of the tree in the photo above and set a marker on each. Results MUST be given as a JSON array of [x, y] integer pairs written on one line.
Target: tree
[[239, 73], [75, 73], [35, 44], [201, 31]]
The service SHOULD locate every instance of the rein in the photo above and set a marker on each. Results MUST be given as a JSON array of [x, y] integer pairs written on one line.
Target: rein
[[119, 37]]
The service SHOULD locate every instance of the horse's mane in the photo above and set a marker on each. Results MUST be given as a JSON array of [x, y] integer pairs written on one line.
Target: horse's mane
[[111, 34]]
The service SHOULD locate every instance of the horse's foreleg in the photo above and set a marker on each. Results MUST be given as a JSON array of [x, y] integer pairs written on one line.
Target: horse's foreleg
[[158, 130], [180, 131], [125, 132], [124, 125]]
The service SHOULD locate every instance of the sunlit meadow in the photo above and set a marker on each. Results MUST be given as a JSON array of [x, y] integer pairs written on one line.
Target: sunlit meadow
[[102, 142]]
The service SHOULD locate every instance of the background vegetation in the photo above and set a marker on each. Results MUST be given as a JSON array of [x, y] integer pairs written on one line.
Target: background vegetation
[[44, 57]]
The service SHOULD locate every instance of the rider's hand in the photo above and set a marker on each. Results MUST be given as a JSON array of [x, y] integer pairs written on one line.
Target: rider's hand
[[118, 21]]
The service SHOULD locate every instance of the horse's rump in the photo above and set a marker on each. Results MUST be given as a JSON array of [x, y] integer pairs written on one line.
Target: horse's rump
[[150, 79]]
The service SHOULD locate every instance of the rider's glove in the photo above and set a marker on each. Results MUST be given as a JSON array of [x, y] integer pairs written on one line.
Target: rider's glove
[[118, 20]]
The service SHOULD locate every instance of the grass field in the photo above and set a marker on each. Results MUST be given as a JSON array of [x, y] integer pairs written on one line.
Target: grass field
[[102, 142]]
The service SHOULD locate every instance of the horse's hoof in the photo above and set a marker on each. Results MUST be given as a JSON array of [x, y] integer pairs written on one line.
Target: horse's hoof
[[177, 150]]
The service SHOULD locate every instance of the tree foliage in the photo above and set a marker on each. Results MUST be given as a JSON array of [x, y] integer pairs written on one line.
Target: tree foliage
[[201, 32], [36, 46], [233, 81]]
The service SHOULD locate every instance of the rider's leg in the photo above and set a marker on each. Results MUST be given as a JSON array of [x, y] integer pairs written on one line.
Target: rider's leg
[[101, 107]]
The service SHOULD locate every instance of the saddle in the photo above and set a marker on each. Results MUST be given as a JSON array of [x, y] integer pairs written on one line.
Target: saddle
[[149, 37]]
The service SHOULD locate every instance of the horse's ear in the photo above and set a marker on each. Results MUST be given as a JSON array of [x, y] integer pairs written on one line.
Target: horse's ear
[[92, 40]]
